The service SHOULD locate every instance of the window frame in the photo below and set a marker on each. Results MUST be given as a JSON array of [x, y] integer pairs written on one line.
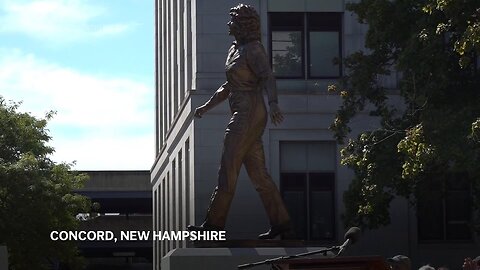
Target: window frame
[[326, 28], [444, 191], [305, 41], [307, 191], [287, 29]]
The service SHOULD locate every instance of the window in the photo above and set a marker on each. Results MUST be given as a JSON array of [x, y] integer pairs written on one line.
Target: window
[[305, 45], [307, 184], [287, 44], [444, 212]]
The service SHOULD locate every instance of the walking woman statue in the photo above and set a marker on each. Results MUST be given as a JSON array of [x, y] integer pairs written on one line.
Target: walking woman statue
[[248, 74]]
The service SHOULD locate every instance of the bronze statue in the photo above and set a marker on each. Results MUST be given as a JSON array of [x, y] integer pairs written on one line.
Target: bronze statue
[[248, 73]]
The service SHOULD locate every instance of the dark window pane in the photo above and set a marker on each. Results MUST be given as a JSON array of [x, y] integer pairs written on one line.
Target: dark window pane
[[287, 44], [322, 181], [295, 203], [310, 204], [323, 31], [293, 181], [286, 21], [458, 206], [287, 53], [458, 231], [430, 217], [324, 49], [325, 21], [444, 207], [321, 206], [321, 215], [458, 181], [293, 186]]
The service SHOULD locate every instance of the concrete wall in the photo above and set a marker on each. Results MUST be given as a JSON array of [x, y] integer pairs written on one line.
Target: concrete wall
[[175, 64], [172, 182], [117, 181], [3, 257], [125, 204]]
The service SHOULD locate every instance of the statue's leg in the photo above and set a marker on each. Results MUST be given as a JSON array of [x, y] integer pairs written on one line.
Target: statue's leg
[[231, 162], [255, 164]]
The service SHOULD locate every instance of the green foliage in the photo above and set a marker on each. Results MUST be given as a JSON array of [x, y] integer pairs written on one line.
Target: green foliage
[[416, 151], [433, 45], [35, 193]]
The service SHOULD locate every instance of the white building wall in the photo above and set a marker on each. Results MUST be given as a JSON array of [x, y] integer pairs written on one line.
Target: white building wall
[[171, 173], [172, 179]]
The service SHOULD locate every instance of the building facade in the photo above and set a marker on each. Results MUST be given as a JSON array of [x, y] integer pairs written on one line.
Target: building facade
[[302, 38], [124, 200]]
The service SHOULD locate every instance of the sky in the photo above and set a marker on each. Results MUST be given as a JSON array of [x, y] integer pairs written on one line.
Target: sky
[[91, 61]]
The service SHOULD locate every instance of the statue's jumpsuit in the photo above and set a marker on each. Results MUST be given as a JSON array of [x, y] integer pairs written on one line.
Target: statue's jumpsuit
[[248, 73]]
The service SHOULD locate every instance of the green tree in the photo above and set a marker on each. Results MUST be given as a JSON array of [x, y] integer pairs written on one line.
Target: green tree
[[433, 45], [35, 193]]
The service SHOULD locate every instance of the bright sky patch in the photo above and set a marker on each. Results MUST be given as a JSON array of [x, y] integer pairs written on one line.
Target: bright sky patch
[[92, 62]]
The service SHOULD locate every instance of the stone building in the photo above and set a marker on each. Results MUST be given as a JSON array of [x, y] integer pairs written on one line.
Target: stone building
[[125, 204], [302, 38]]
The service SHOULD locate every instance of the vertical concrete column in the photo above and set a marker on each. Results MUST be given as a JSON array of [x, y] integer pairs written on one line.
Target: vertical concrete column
[[181, 51], [181, 192], [167, 70], [187, 52], [3, 257], [175, 45], [193, 39]]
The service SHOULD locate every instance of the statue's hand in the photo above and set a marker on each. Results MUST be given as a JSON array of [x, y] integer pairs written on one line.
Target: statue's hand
[[275, 114], [199, 111]]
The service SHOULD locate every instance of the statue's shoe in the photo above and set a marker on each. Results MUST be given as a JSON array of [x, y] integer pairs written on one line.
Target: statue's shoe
[[204, 227], [285, 230]]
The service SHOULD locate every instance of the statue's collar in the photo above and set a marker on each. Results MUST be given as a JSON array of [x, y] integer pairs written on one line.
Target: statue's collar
[[240, 44]]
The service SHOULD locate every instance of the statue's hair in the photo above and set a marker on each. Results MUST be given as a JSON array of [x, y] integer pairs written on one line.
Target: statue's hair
[[426, 267], [247, 22]]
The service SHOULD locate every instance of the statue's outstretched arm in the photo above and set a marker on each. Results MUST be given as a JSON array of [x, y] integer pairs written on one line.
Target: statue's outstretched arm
[[220, 95]]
